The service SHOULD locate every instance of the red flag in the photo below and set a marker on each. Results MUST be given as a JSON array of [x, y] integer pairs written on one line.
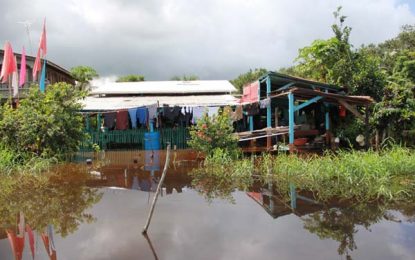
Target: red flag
[[9, 64], [36, 66], [42, 44]]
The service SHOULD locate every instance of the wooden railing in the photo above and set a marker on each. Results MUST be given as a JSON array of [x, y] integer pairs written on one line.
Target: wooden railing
[[134, 139], [6, 92]]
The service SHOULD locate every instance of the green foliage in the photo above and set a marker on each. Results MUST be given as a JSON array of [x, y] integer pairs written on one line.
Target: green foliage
[[214, 132], [83, 75], [45, 124], [247, 78], [130, 78], [331, 60], [221, 175], [355, 175], [185, 78], [43, 199]]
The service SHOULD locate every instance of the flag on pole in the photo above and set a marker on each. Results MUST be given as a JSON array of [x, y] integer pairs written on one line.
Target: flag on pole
[[22, 77], [42, 44], [15, 81], [36, 65], [43, 78], [41, 52], [9, 63]]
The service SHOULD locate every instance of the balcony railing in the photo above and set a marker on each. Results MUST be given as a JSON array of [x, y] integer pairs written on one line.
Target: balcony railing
[[6, 92]]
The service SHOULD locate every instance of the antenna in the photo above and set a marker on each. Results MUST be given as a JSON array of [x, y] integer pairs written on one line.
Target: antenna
[[27, 24]]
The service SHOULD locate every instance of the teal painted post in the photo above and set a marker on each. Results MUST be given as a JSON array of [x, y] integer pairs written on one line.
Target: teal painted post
[[327, 118], [269, 114], [291, 109], [151, 125], [293, 196], [98, 122], [251, 123], [87, 123]]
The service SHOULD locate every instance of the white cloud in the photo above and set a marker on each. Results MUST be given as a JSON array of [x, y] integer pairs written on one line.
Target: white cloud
[[216, 39]]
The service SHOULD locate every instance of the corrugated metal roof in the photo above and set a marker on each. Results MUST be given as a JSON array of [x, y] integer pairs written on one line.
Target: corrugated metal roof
[[165, 87], [95, 103]]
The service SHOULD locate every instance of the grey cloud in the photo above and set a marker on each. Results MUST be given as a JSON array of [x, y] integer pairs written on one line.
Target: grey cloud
[[216, 39]]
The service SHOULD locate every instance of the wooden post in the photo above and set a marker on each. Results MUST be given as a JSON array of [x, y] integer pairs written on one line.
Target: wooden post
[[269, 113], [153, 204], [291, 121], [367, 134]]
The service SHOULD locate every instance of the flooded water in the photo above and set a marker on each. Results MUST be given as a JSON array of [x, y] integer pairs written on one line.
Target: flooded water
[[98, 212]]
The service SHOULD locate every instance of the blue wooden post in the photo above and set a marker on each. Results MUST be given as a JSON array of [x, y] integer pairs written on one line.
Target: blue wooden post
[[151, 125], [293, 196], [98, 122], [291, 109], [251, 123], [269, 114], [87, 123], [327, 118]]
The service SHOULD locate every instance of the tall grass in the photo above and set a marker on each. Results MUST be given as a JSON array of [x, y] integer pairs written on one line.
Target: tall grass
[[12, 162], [361, 175]]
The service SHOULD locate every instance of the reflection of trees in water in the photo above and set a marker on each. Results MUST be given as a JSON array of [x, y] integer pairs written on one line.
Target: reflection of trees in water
[[57, 198], [341, 223], [219, 181]]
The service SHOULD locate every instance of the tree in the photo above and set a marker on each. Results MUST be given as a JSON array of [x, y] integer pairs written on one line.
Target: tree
[[130, 78], [185, 78], [248, 77], [83, 75], [45, 124]]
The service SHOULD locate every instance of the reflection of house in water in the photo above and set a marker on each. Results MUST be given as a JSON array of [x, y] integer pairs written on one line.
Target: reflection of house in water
[[141, 170], [277, 205]]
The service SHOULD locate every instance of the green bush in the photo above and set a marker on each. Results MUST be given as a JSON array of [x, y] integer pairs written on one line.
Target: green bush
[[214, 132], [45, 124]]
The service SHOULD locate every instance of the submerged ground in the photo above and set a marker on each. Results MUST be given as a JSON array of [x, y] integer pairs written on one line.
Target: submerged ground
[[101, 215]]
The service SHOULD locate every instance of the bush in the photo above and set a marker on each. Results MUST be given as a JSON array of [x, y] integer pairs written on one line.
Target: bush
[[45, 124], [214, 132]]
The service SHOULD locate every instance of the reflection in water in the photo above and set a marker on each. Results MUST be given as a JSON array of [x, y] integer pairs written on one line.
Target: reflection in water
[[60, 200], [37, 204]]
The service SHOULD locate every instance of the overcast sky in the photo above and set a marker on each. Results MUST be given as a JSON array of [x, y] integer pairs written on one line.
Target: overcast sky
[[217, 39]]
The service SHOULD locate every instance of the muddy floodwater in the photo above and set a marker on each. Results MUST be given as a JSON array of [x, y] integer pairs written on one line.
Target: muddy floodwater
[[98, 210]]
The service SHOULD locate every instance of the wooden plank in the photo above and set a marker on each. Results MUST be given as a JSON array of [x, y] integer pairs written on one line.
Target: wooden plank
[[351, 108]]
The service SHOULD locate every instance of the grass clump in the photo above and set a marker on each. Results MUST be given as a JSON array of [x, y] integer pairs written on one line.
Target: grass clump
[[362, 175]]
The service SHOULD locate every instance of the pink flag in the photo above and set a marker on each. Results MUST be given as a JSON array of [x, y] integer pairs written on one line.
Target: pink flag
[[15, 82], [42, 44], [36, 65], [9, 64], [22, 77]]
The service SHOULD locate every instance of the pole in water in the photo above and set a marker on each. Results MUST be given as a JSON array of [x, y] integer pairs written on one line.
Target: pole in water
[[153, 204]]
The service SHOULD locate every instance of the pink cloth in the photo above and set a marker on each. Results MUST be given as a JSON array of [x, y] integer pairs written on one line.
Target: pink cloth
[[22, 77], [250, 93], [42, 44], [9, 63], [36, 66]]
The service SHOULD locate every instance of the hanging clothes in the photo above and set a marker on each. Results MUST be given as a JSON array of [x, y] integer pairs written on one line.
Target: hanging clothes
[[198, 113], [133, 117], [264, 103], [185, 116], [238, 114], [212, 111], [142, 115], [109, 120], [171, 114], [122, 120], [252, 109], [152, 111]]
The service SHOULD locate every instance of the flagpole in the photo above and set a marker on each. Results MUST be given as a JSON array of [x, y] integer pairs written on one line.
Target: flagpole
[[9, 83]]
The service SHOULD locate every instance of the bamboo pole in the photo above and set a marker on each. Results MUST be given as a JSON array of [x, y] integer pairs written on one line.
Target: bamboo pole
[[153, 204]]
